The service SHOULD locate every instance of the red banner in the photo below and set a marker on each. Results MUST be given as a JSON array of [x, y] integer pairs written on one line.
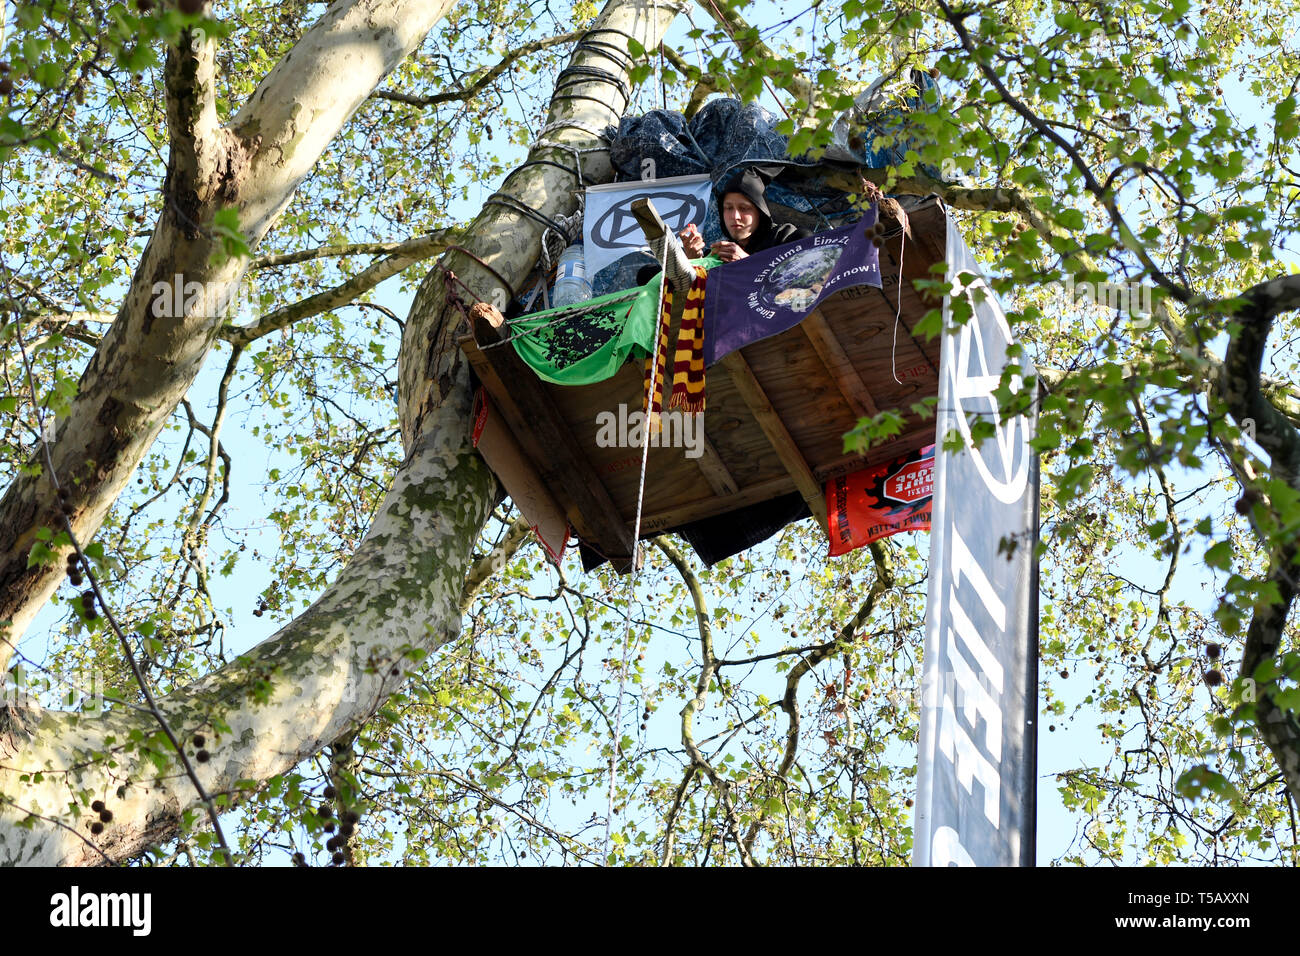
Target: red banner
[[876, 502]]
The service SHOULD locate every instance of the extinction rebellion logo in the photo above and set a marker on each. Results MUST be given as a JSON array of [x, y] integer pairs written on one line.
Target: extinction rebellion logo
[[618, 228]]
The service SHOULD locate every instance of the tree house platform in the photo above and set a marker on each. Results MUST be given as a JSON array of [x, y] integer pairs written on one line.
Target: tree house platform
[[776, 414]]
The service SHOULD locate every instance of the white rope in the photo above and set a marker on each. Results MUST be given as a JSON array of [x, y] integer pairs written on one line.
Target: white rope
[[898, 315], [636, 539]]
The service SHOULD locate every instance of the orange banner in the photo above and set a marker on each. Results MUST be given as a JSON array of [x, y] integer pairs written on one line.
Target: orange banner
[[876, 502]]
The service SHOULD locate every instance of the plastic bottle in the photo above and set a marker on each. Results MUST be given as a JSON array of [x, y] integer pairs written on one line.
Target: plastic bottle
[[571, 282]]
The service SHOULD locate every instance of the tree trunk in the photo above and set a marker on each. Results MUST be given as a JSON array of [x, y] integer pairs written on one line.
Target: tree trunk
[[326, 672], [156, 345]]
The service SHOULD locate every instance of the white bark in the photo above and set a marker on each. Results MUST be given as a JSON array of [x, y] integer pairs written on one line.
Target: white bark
[[152, 353], [397, 599]]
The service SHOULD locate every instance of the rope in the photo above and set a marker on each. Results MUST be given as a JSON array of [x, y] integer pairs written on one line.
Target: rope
[[573, 75], [607, 50], [550, 162], [898, 315], [636, 566], [519, 206], [570, 124], [499, 277]]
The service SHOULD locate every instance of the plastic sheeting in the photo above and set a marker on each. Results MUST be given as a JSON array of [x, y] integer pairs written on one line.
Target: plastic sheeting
[[727, 134]]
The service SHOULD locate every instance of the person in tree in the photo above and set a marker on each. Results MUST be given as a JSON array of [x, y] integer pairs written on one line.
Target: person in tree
[[746, 221]]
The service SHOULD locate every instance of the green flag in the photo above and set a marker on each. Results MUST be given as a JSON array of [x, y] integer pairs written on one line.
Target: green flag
[[589, 342]]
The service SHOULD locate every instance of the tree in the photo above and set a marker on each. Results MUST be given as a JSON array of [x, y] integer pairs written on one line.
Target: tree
[[1091, 142]]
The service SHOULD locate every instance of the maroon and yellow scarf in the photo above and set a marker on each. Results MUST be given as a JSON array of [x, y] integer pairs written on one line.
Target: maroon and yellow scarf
[[688, 362]]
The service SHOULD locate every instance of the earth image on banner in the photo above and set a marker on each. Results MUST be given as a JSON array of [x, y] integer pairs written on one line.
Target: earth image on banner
[[796, 283]]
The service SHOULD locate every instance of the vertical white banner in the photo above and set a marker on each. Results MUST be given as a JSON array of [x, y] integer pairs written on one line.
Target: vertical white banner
[[979, 690]]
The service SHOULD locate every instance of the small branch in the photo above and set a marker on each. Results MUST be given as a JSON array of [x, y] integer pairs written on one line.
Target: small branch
[[706, 84], [411, 252], [340, 250], [697, 703], [214, 452], [753, 49], [477, 87], [515, 537], [670, 822]]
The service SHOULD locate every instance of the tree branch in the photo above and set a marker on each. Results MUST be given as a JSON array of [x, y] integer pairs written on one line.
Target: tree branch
[[341, 250], [483, 569], [790, 702], [485, 80], [706, 84], [406, 254], [754, 50], [1239, 385], [708, 668]]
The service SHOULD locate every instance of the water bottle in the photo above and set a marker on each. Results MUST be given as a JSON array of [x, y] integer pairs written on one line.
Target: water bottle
[[571, 283]]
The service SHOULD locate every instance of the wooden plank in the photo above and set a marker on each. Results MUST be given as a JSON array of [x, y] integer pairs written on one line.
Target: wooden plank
[[560, 460], [786, 449], [709, 507], [714, 471], [500, 449], [832, 354], [678, 270], [898, 446]]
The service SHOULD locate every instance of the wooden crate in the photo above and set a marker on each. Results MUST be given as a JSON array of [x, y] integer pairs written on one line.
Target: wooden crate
[[777, 410]]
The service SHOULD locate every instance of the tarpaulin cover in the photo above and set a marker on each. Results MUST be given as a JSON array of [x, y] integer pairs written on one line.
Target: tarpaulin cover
[[772, 291], [724, 134], [882, 114], [876, 502]]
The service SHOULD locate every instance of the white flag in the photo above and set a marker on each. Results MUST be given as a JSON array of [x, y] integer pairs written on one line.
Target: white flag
[[610, 230]]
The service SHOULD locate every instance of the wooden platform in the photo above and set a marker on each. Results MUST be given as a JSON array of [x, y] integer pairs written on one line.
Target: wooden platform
[[777, 410]]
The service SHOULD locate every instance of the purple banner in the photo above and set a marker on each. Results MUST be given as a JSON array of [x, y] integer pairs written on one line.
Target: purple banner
[[774, 290]]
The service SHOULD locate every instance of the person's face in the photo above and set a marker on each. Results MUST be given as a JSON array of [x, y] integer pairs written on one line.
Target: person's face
[[740, 216]]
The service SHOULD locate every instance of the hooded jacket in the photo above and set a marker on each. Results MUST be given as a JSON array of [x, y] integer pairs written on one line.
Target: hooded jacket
[[767, 234]]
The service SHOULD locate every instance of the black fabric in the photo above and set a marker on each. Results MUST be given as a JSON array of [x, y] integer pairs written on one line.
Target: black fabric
[[723, 535]]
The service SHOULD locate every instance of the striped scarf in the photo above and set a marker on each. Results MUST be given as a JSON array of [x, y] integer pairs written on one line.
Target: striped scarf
[[688, 362]]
